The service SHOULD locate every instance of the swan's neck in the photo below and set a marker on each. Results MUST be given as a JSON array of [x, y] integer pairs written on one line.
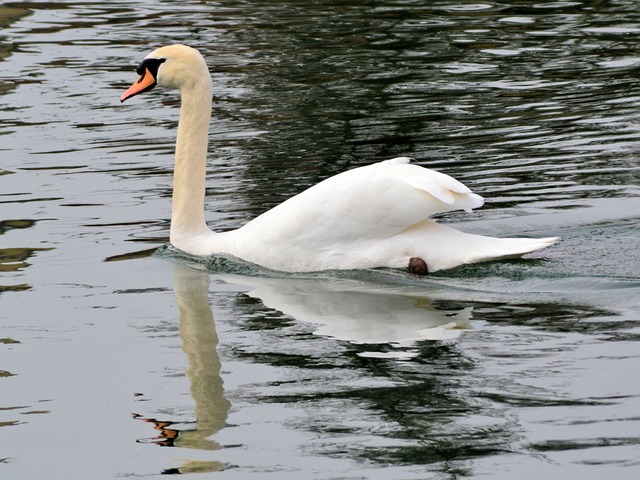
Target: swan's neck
[[187, 216]]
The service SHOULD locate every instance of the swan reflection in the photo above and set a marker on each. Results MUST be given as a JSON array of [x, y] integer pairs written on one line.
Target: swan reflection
[[199, 342], [358, 311], [345, 309]]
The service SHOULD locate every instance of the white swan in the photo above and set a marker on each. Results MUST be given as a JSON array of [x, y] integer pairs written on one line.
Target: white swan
[[373, 216]]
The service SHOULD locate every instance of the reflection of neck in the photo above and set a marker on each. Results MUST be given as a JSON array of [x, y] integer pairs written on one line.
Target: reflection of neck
[[200, 339], [191, 158]]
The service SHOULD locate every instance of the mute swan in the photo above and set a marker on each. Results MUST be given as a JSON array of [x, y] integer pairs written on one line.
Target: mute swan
[[372, 216]]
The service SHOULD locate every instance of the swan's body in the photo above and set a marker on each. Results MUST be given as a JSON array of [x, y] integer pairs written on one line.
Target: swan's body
[[373, 216]]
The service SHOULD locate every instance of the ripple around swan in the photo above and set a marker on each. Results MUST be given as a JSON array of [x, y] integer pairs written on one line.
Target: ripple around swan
[[528, 276]]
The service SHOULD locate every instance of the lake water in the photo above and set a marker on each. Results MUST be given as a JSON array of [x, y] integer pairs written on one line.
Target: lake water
[[110, 363]]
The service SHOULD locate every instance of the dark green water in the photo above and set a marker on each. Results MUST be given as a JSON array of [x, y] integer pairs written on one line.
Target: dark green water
[[110, 363]]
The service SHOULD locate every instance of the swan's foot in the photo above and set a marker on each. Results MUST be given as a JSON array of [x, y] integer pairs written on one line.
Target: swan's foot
[[418, 266]]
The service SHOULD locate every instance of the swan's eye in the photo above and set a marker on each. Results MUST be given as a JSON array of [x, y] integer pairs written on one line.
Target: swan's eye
[[151, 64]]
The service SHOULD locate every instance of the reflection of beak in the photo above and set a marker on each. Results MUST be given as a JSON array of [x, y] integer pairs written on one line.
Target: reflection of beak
[[145, 83]]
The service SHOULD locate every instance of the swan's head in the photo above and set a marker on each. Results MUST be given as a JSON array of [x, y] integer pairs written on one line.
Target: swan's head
[[174, 66]]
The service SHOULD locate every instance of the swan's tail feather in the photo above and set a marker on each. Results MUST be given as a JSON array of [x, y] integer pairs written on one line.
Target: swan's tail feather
[[501, 248], [449, 248]]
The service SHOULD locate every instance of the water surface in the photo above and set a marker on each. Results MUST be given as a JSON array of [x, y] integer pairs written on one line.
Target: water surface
[[110, 363]]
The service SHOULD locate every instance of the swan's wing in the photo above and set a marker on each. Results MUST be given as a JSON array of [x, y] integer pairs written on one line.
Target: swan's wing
[[376, 201], [448, 192]]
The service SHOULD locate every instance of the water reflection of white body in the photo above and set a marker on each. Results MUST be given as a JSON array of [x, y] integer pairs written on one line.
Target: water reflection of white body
[[358, 311]]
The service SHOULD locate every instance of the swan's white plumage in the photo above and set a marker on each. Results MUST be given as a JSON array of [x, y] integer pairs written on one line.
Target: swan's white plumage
[[372, 216]]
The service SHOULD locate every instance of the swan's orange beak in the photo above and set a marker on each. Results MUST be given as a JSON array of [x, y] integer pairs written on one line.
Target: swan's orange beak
[[145, 83]]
